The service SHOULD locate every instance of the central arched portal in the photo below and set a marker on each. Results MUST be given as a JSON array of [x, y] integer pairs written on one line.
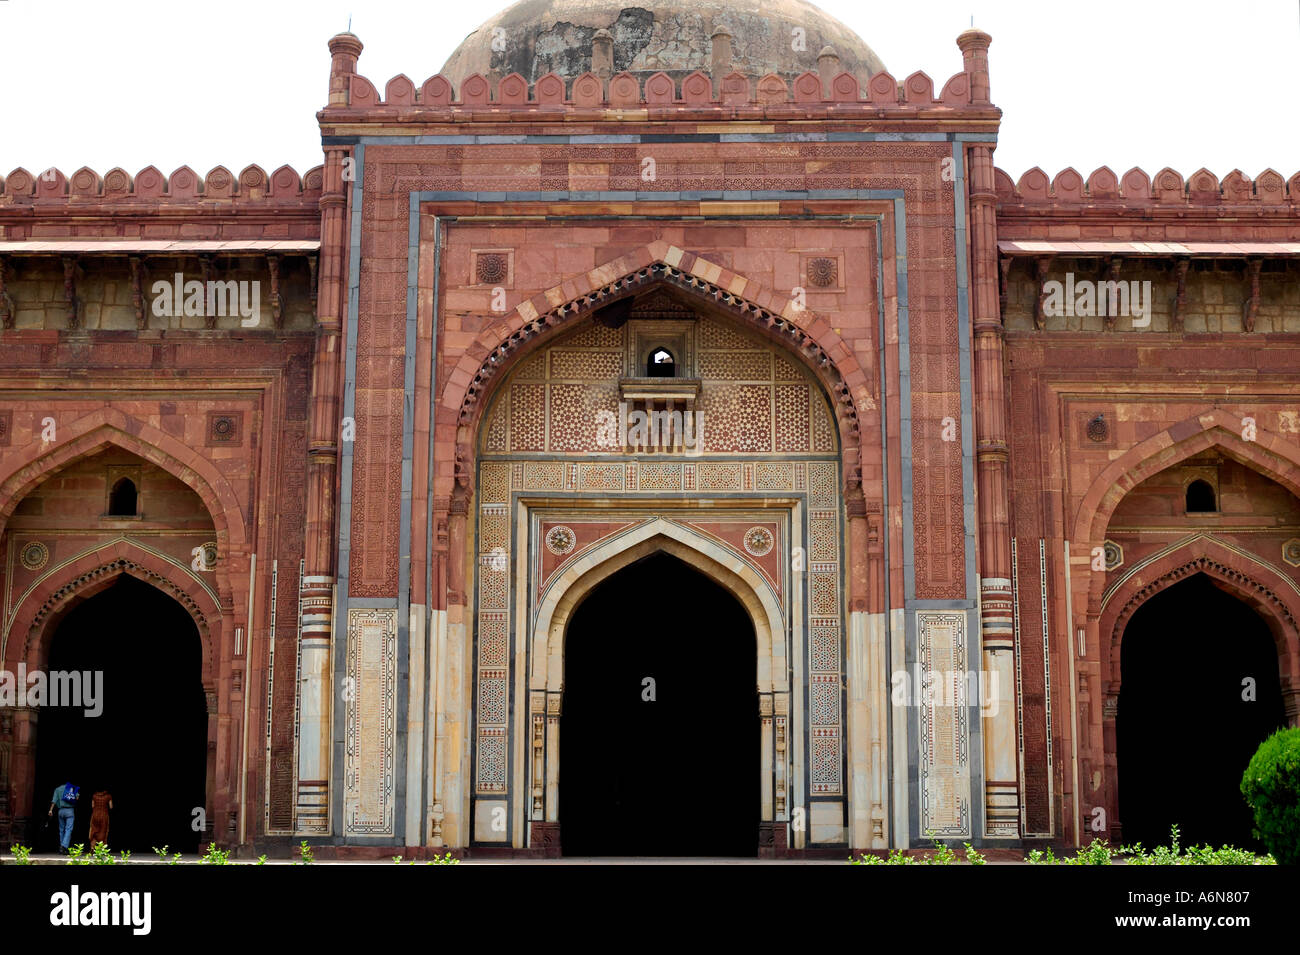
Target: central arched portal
[[145, 739], [660, 728]]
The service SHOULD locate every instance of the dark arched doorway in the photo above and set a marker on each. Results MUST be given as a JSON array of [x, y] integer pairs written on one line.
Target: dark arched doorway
[[148, 746], [1185, 729], [679, 774]]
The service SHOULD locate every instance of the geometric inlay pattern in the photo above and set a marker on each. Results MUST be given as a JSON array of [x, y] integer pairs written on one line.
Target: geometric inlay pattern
[[753, 399], [370, 718], [941, 699]]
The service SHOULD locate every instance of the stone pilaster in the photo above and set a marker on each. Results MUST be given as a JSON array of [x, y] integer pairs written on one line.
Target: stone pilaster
[[1001, 763], [324, 430]]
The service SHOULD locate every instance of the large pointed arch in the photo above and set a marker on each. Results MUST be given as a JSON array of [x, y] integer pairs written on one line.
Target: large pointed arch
[[1267, 453], [808, 336], [715, 561], [101, 428], [109, 427], [1267, 589], [50, 598]]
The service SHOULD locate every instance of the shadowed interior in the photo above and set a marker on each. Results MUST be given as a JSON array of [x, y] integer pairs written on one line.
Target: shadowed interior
[[148, 747], [679, 774], [1184, 729]]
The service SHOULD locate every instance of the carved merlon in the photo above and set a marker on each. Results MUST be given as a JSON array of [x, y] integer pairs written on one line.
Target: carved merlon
[[1136, 189]]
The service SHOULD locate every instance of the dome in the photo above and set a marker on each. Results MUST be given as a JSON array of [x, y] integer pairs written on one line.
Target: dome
[[536, 37]]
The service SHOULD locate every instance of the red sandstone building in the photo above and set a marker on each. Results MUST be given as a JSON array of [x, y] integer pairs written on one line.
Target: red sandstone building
[[949, 536]]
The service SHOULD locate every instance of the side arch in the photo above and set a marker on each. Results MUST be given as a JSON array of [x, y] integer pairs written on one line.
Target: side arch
[[51, 598], [98, 430], [1260, 585], [811, 338], [1268, 454], [710, 558], [59, 593], [107, 427]]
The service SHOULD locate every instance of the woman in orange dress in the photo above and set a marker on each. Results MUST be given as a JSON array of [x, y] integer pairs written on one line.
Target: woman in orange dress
[[100, 804]]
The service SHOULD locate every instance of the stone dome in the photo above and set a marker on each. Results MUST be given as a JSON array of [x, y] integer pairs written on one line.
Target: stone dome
[[536, 37]]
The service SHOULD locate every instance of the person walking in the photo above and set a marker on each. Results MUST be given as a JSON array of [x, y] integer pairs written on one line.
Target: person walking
[[65, 801], [100, 804]]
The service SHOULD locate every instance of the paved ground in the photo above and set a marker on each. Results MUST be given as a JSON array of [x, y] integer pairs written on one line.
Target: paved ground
[[55, 859]]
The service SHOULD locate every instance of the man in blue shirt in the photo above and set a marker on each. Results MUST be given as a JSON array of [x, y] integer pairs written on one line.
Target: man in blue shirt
[[65, 800]]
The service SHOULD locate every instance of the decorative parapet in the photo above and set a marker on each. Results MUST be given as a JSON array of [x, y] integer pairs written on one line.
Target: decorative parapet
[[513, 94], [183, 186], [1168, 188]]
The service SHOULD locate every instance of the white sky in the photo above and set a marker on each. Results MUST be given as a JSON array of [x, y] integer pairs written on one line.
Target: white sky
[[1181, 83]]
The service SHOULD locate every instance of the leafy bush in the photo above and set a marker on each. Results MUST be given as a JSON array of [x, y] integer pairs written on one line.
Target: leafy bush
[[942, 855], [162, 856], [448, 859], [306, 857], [1098, 852], [215, 856], [1271, 785], [21, 854], [99, 855], [1101, 853]]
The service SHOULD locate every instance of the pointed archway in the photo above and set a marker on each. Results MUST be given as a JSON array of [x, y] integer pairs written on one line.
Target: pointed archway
[[778, 758], [660, 720], [140, 729], [1199, 693], [1104, 601], [84, 558]]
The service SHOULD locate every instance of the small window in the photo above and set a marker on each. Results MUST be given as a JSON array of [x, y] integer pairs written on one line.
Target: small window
[[1200, 498], [661, 364], [122, 499]]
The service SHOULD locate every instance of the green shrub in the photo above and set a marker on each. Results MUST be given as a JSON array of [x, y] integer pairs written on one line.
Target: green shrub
[[1271, 785], [21, 854], [305, 855], [1098, 852], [942, 855], [1101, 853], [215, 856]]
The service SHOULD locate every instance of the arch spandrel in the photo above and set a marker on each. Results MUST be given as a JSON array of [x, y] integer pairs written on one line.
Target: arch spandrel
[[52, 596], [1267, 453], [716, 562], [498, 348], [1263, 586], [754, 395]]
